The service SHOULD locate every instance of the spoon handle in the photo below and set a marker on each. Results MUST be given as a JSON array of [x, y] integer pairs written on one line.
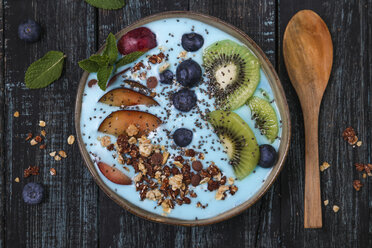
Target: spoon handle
[[312, 208]]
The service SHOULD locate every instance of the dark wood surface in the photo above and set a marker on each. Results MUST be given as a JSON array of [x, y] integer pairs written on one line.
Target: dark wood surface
[[77, 214]]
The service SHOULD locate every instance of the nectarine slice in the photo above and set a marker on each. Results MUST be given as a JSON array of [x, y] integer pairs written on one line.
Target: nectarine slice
[[122, 96], [113, 174], [117, 122]]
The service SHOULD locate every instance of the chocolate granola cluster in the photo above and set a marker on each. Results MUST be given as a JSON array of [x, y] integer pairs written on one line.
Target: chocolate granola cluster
[[168, 181]]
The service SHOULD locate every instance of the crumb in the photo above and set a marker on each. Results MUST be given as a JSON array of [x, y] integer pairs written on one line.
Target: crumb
[[16, 114], [357, 185], [132, 130], [336, 208], [326, 202], [31, 170], [71, 139], [52, 154], [16, 180], [52, 171], [105, 141], [42, 123], [163, 67], [57, 158], [324, 166], [62, 154], [42, 147], [364, 175], [359, 143], [29, 136], [350, 136], [33, 142], [43, 133]]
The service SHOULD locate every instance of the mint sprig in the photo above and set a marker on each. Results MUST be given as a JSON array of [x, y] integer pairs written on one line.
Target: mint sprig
[[45, 71], [105, 64], [129, 58], [106, 4]]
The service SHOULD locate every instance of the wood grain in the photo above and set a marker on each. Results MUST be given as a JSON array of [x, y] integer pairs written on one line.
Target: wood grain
[[77, 214]]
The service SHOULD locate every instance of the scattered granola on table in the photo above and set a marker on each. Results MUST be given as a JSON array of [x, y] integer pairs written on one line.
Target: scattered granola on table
[[357, 185], [350, 136]]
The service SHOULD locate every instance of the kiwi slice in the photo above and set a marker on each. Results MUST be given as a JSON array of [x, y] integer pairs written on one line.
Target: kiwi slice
[[238, 140], [234, 73], [265, 117]]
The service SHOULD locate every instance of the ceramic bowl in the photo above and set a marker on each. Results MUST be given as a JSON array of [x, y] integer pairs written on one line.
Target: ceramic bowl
[[278, 95]]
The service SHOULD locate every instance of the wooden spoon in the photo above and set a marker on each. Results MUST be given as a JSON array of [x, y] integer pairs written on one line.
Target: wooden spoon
[[308, 56]]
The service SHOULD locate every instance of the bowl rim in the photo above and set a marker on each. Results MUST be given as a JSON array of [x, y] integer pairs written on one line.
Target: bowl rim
[[280, 98]]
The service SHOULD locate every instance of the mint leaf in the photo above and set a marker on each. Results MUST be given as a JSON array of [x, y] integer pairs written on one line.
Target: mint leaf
[[129, 58], [89, 65], [106, 4], [45, 71], [111, 50], [103, 76], [101, 60]]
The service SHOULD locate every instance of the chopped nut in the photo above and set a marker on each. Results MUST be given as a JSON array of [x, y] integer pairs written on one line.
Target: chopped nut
[[204, 180], [132, 140], [145, 149], [16, 180], [359, 143], [324, 166], [33, 142], [16, 114], [105, 141], [183, 54], [71, 139], [336, 208], [357, 185], [53, 171], [201, 156], [350, 136], [165, 157], [220, 192], [132, 130], [29, 136], [230, 180], [62, 154], [57, 158], [142, 168], [176, 181], [120, 159], [163, 67], [42, 123], [43, 133], [137, 177], [178, 164], [154, 195], [217, 177], [42, 147], [52, 154], [31, 170], [326, 202], [359, 167], [167, 205]]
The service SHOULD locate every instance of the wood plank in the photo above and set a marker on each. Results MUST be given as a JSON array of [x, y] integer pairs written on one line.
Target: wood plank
[[68, 215], [117, 227], [2, 143], [345, 103]]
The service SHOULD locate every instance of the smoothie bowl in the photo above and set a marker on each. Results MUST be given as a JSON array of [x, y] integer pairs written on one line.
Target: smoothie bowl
[[190, 125]]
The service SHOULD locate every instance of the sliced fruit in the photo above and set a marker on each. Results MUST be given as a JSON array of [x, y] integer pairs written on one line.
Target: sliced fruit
[[113, 174], [136, 84], [238, 140], [113, 79], [234, 73], [139, 39], [117, 122], [126, 97], [264, 115]]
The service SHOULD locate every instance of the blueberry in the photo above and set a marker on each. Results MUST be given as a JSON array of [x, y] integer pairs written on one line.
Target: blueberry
[[268, 156], [29, 31], [182, 137], [166, 77], [184, 100], [189, 73], [192, 42], [33, 193]]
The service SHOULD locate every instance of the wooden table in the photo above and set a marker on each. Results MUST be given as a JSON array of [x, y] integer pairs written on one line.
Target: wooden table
[[78, 214]]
